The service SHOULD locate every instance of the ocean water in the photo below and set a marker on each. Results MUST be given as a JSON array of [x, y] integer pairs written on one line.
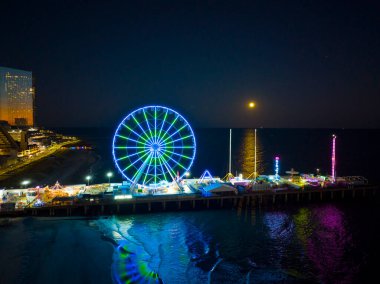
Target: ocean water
[[312, 243], [323, 243], [305, 150]]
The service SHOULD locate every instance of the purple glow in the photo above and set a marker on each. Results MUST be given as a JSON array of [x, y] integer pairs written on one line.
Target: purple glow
[[327, 245], [333, 159]]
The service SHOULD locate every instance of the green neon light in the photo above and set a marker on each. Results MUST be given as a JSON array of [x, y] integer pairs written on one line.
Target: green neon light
[[168, 168], [178, 163], [142, 129], [139, 159], [134, 154], [147, 172], [166, 131], [183, 126], [162, 168], [147, 123], [139, 169], [182, 138], [138, 135], [130, 139], [178, 147], [155, 124], [179, 155], [162, 125]]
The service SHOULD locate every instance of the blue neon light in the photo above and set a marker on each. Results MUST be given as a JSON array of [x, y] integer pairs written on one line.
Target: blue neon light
[[152, 144]]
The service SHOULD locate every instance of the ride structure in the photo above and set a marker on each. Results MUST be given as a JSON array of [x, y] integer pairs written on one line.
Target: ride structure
[[153, 145]]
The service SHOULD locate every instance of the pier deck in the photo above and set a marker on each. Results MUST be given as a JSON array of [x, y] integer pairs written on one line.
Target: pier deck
[[148, 204]]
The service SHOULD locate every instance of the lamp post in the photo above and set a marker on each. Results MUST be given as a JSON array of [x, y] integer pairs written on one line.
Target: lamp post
[[25, 183], [88, 178], [109, 175]]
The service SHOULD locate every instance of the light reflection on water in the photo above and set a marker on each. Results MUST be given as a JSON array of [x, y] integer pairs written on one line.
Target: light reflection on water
[[309, 244]]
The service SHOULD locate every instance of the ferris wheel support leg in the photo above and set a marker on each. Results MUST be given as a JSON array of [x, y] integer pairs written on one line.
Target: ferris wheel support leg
[[140, 172], [174, 179]]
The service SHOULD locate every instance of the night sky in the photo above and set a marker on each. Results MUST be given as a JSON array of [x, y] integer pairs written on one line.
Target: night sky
[[304, 63]]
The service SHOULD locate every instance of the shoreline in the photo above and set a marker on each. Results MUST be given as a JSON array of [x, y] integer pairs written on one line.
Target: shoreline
[[64, 165], [20, 166]]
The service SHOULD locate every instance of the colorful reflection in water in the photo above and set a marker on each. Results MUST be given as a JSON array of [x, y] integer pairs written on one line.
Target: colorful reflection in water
[[246, 156], [306, 244], [129, 268], [328, 245]]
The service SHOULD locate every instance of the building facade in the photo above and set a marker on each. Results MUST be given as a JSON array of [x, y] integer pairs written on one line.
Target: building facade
[[16, 97]]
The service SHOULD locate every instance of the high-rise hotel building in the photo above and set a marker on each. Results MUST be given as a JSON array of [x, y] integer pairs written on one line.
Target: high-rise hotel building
[[16, 97]]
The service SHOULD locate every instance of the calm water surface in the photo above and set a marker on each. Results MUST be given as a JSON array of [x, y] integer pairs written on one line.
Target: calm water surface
[[325, 243]]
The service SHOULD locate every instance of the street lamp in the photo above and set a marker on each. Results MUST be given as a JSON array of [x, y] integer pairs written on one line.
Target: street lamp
[[25, 182], [109, 175], [187, 174], [88, 178]]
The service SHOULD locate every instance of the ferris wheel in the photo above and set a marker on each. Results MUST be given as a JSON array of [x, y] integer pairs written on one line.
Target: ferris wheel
[[153, 144]]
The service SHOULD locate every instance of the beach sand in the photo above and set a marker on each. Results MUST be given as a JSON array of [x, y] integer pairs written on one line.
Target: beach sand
[[49, 250], [66, 166]]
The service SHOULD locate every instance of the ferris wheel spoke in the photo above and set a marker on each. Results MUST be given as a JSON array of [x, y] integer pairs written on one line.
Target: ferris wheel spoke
[[155, 125], [162, 168], [176, 162], [162, 125], [144, 132], [131, 147], [182, 138], [130, 139], [139, 159], [134, 132], [140, 170], [179, 155], [168, 168], [147, 171], [179, 147], [132, 155], [167, 130], [147, 123], [178, 130]]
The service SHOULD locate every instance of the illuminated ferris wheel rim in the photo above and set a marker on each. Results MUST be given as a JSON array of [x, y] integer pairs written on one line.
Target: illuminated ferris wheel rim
[[153, 142]]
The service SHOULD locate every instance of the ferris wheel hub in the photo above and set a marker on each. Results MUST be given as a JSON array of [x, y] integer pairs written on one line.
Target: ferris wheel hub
[[155, 147]]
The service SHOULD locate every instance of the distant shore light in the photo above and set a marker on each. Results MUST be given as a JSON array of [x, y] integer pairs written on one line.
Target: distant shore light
[[251, 104]]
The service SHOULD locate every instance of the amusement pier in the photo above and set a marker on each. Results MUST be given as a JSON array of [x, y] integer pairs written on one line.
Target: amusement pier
[[153, 149]]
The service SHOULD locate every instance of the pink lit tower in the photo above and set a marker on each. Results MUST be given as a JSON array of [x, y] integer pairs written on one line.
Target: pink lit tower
[[333, 161]]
